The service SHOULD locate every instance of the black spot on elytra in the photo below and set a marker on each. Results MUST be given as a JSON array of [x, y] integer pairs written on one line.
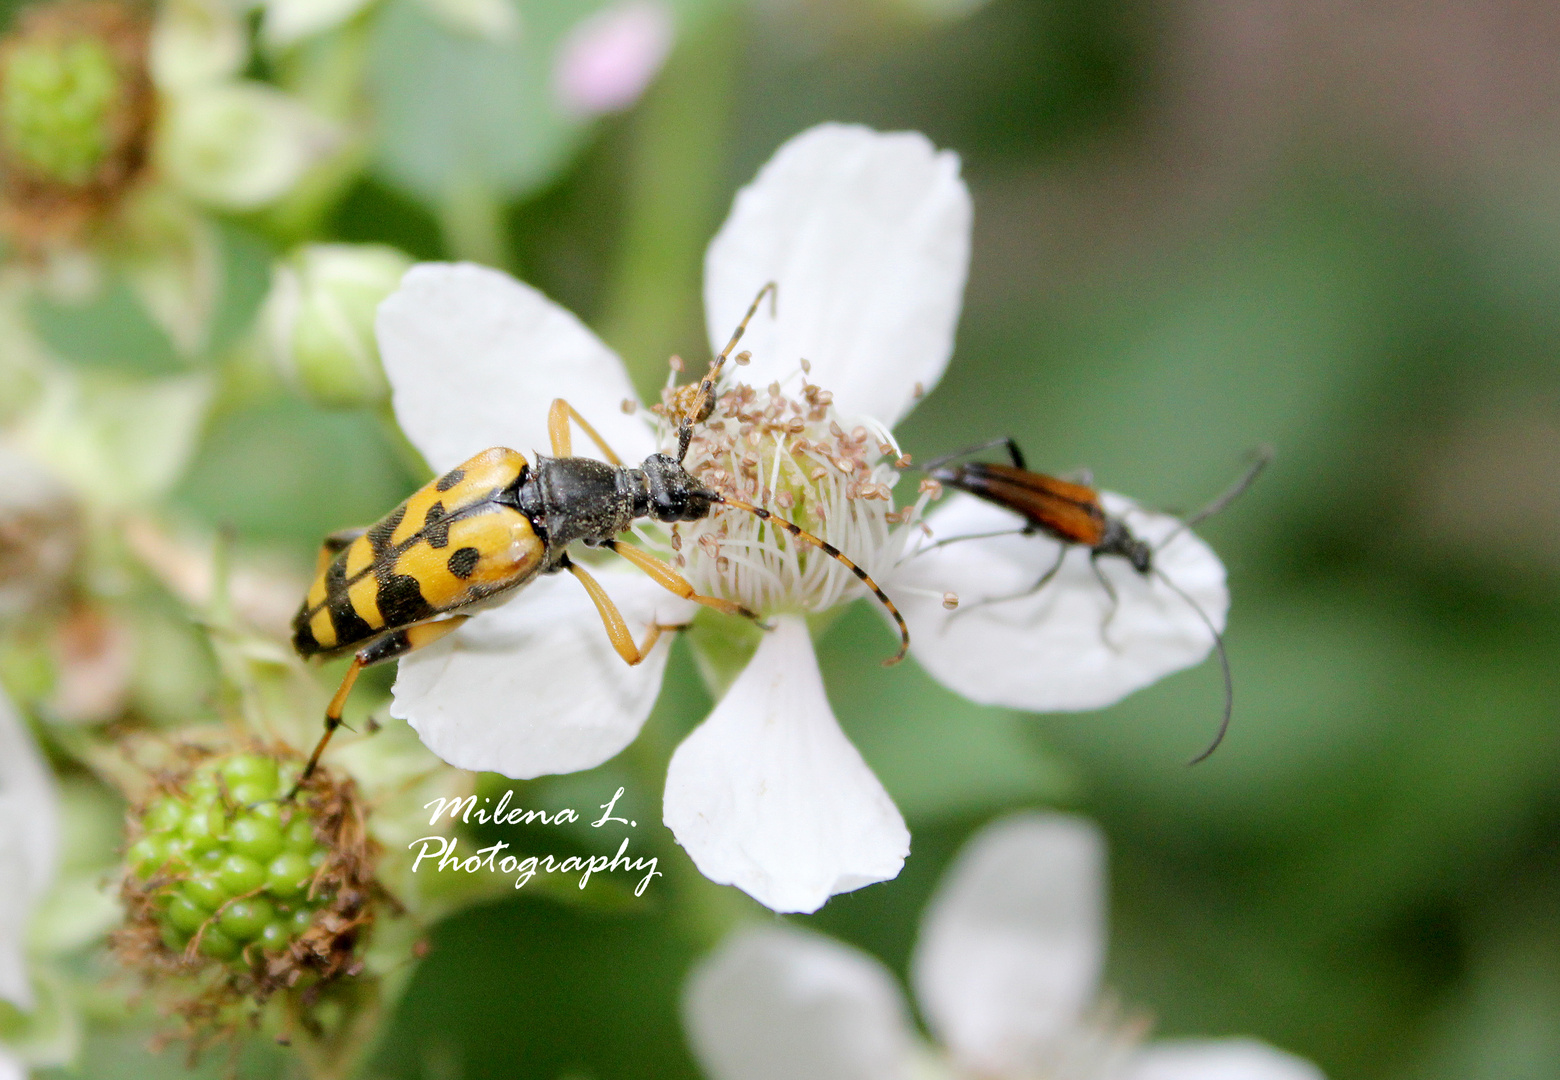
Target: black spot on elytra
[[349, 625], [380, 532], [303, 636], [450, 479], [436, 530], [401, 601], [464, 561]]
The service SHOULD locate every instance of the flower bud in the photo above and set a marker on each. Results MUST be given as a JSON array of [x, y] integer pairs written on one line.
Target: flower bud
[[240, 145], [319, 319], [223, 870]]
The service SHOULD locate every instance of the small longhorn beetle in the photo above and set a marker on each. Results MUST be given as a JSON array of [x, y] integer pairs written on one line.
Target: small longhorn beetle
[[1071, 514], [492, 524]]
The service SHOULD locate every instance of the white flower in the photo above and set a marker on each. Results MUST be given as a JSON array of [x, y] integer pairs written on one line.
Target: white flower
[[29, 850], [1007, 974], [1068, 645], [867, 236]]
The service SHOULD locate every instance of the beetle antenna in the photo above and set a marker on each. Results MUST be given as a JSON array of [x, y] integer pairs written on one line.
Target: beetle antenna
[[1224, 666], [839, 556], [1263, 456], [702, 402]]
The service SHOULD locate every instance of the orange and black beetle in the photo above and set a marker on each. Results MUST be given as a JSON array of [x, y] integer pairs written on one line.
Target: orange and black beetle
[[492, 524]]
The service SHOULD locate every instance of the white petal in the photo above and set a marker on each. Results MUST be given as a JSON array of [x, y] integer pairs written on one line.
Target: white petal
[[774, 1003], [1054, 650], [768, 794], [10, 1067], [534, 686], [29, 847], [475, 358], [1012, 944], [868, 237], [1219, 1059]]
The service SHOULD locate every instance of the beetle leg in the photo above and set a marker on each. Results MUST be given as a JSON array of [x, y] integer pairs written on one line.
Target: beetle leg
[[1045, 579], [612, 619], [387, 647], [1115, 601], [333, 544], [664, 576], [558, 417]]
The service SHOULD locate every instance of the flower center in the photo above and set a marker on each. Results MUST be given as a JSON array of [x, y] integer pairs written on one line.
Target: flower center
[[793, 457]]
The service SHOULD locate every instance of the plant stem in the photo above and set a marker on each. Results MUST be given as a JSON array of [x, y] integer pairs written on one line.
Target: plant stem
[[472, 219]]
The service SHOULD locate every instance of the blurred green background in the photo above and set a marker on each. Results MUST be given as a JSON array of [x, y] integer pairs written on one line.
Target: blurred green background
[[1199, 227]]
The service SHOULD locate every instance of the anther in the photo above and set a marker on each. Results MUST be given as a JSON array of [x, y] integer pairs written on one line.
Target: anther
[[931, 487], [743, 358], [950, 600], [630, 406], [676, 364], [806, 366]]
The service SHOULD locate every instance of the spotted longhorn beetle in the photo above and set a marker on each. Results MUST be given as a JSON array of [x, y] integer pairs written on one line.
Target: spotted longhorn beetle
[[494, 523]]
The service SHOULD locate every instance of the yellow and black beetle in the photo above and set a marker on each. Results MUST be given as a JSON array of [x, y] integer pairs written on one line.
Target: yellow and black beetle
[[495, 522]]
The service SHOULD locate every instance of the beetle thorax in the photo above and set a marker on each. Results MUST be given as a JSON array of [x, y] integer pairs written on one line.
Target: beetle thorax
[[793, 457]]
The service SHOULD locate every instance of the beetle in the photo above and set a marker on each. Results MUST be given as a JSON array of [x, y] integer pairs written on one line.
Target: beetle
[[474, 536], [1070, 512]]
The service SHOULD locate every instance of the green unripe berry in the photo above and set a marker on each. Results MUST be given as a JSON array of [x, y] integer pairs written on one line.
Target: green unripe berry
[[164, 815], [270, 809], [243, 920], [147, 855], [239, 874], [245, 796], [300, 835], [185, 915], [256, 837], [225, 859], [277, 935], [288, 875], [203, 828], [244, 769], [217, 945], [206, 890]]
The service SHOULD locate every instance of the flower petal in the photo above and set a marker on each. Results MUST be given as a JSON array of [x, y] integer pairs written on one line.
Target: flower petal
[[1012, 944], [475, 358], [775, 1003], [535, 687], [29, 847], [768, 794], [1218, 1059], [868, 238], [1054, 649]]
